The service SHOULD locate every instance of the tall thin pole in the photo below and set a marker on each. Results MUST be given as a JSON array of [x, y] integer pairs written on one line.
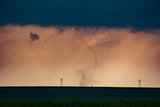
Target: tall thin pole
[[139, 82], [61, 81]]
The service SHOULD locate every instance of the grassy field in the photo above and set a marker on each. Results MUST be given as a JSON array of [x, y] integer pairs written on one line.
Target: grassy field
[[79, 102]]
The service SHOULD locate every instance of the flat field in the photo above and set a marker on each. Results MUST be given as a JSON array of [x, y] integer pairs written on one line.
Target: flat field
[[79, 97]]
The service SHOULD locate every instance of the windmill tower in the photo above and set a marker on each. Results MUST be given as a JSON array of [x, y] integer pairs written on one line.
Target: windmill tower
[[139, 82], [61, 81]]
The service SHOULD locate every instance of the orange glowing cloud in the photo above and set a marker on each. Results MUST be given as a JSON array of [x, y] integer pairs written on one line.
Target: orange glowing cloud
[[80, 55]]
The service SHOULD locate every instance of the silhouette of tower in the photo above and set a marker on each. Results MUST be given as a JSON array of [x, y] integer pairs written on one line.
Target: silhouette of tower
[[139, 82], [61, 81]]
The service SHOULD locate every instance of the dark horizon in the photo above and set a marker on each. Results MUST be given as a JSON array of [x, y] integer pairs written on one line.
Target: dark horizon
[[71, 92]]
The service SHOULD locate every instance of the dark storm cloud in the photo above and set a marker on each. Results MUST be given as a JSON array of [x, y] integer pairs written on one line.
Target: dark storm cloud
[[111, 13]]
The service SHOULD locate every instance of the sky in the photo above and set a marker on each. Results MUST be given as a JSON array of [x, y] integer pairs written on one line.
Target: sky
[[111, 13], [110, 43], [82, 56]]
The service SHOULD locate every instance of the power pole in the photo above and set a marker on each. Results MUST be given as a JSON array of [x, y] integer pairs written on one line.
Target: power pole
[[139, 82], [61, 81]]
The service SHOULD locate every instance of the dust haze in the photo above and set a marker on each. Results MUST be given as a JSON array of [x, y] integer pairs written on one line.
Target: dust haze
[[82, 56]]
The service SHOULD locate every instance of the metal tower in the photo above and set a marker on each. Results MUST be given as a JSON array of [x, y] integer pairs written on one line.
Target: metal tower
[[139, 82], [61, 81]]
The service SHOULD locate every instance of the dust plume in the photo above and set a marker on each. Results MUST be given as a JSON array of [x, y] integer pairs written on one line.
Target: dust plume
[[85, 56]]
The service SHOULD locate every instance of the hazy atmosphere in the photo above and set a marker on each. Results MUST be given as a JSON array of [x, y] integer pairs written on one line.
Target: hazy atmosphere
[[80, 43], [80, 55]]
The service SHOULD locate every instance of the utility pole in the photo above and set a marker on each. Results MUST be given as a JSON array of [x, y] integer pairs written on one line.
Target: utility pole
[[139, 82], [61, 81]]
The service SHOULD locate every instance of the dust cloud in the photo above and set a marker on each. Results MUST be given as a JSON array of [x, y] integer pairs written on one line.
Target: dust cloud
[[83, 56]]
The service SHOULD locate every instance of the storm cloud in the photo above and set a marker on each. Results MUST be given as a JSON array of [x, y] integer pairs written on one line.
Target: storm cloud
[[84, 56]]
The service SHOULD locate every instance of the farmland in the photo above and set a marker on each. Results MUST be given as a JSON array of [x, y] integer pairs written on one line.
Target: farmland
[[79, 97]]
